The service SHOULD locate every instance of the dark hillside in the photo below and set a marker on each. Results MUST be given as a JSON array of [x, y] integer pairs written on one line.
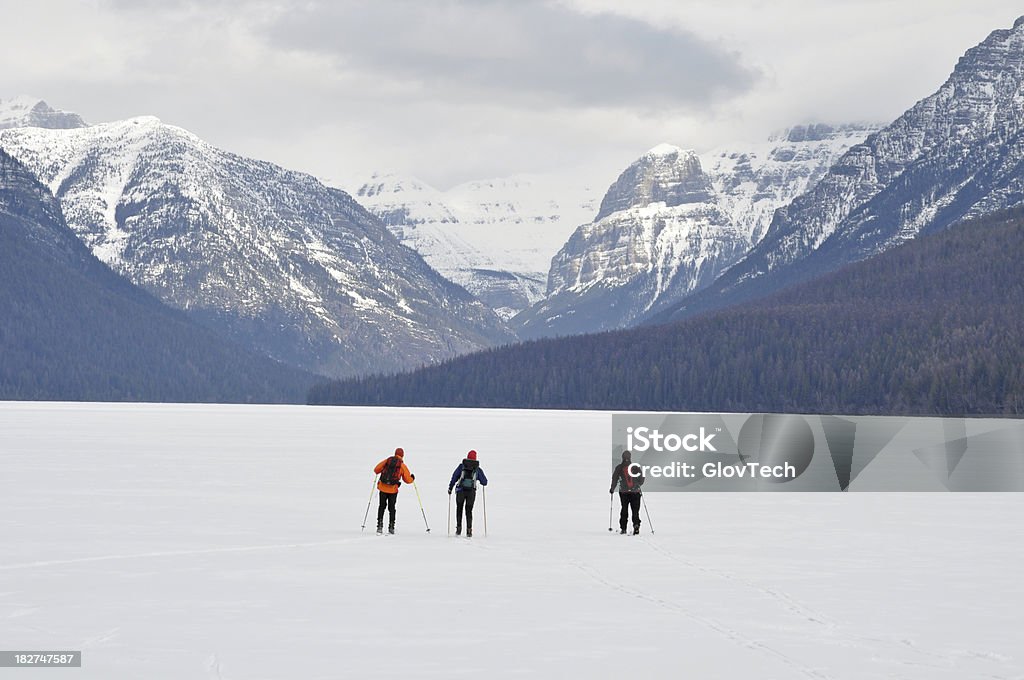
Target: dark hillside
[[71, 329]]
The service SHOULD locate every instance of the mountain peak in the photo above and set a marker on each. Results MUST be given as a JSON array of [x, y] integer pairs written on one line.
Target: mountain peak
[[143, 121], [385, 183], [665, 174], [666, 150], [27, 111], [808, 132]]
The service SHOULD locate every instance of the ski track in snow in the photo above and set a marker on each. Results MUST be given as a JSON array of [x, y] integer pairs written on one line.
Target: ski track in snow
[[213, 666], [785, 600], [172, 553], [940, 659], [709, 623], [832, 626]]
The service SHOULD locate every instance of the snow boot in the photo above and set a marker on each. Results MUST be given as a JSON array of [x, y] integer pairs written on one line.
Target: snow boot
[[622, 530], [458, 530], [380, 529], [636, 529], [391, 529], [469, 532]]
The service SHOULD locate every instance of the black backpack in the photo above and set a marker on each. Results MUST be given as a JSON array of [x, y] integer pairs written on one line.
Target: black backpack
[[392, 472], [469, 469]]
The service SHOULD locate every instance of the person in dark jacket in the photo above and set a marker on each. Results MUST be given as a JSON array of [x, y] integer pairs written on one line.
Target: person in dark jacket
[[464, 480], [629, 491]]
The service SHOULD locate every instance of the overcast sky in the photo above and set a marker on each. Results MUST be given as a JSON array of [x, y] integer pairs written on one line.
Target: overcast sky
[[451, 90]]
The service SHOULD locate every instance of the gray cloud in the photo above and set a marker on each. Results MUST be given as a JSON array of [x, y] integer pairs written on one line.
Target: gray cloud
[[526, 51], [452, 91]]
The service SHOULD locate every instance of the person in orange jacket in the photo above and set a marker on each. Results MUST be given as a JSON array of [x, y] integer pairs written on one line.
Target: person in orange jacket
[[393, 472]]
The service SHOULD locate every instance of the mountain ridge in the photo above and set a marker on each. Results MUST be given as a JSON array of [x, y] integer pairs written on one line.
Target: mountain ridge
[[26, 111], [267, 256], [495, 237], [955, 155], [672, 222]]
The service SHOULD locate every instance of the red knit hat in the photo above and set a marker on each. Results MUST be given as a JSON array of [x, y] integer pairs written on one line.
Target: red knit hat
[[399, 452], [471, 455]]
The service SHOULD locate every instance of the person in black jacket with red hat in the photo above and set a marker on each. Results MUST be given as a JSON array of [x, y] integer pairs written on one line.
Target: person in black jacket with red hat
[[465, 478], [629, 491]]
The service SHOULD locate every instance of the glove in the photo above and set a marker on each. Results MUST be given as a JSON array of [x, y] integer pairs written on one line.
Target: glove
[[412, 477], [611, 490], [449, 491]]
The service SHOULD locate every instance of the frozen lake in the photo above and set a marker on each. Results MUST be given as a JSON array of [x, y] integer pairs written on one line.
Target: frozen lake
[[224, 542]]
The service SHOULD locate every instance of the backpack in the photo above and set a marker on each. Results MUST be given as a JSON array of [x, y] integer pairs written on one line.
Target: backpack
[[392, 472], [628, 480], [468, 479]]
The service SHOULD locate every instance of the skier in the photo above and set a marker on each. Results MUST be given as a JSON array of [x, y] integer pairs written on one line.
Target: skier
[[465, 477], [629, 492], [393, 472]]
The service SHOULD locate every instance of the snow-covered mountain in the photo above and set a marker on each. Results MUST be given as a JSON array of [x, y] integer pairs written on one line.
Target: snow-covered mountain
[[25, 111], [74, 330], [272, 257], [955, 155], [673, 222], [494, 237], [754, 181]]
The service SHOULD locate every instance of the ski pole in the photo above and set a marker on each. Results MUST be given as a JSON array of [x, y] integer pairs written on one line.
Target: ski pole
[[485, 511], [421, 505], [611, 503], [449, 512], [647, 513], [367, 514]]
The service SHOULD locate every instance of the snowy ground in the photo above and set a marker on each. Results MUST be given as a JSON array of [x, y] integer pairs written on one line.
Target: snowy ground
[[224, 542]]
